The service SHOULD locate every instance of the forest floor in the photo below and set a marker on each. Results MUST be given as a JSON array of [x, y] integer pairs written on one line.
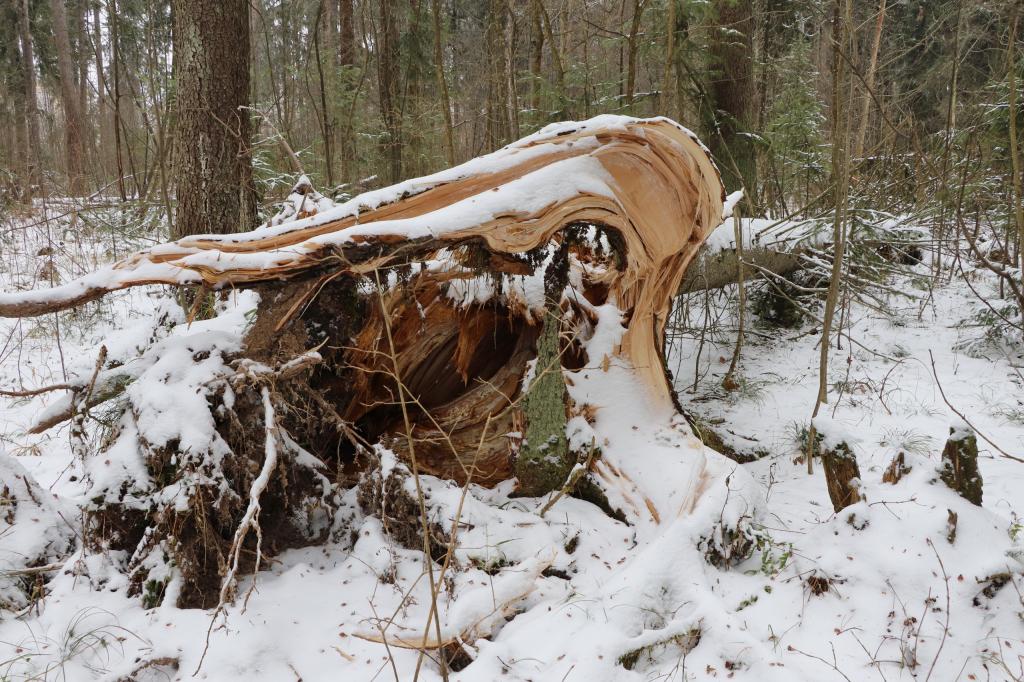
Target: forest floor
[[883, 590]]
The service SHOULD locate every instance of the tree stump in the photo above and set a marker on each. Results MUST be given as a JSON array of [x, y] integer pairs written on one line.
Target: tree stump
[[897, 469], [960, 464], [842, 475], [609, 211], [451, 318]]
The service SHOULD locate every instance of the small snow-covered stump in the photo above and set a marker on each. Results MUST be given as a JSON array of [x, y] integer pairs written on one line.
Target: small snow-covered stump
[[959, 468], [842, 475], [897, 469]]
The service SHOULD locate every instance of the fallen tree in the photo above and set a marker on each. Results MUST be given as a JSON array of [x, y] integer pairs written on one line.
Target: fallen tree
[[467, 321], [717, 269]]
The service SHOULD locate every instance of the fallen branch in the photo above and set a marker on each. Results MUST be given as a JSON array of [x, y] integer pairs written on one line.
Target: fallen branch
[[30, 392], [717, 270], [481, 628], [35, 570]]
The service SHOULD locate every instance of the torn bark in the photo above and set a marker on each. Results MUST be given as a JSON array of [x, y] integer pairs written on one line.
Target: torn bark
[[896, 470]]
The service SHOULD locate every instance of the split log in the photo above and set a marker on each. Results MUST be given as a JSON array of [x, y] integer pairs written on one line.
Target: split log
[[432, 283]]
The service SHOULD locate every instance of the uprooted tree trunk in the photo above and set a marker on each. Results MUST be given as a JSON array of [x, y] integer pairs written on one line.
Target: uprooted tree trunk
[[441, 318]]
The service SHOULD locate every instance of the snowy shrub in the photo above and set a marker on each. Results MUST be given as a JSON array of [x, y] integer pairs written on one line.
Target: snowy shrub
[[32, 534]]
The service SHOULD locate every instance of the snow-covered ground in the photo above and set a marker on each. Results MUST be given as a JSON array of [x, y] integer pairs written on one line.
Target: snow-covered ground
[[577, 595]]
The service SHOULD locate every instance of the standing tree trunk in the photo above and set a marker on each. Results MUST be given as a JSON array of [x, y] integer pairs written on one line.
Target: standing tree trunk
[[327, 115], [346, 62], [536, 57], [499, 123], [511, 100], [347, 34], [73, 129], [840, 180], [670, 49], [865, 107], [115, 62], [213, 165], [631, 50], [1015, 184], [387, 82], [16, 129], [734, 96], [82, 78], [102, 93], [328, 73], [556, 62], [442, 84], [31, 101]]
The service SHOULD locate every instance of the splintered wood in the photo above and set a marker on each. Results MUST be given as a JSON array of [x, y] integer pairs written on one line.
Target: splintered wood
[[621, 205]]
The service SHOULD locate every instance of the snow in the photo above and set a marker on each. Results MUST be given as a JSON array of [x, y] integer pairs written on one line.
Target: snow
[[781, 235], [31, 529], [731, 201], [833, 432], [570, 595]]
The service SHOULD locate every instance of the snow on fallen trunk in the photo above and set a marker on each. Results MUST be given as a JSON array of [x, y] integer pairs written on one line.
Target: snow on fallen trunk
[[649, 180]]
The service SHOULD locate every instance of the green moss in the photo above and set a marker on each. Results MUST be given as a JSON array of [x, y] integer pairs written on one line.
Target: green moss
[[492, 565], [543, 464], [588, 490], [628, 660]]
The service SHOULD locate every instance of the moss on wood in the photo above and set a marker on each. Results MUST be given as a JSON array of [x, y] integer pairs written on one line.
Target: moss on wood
[[543, 463]]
